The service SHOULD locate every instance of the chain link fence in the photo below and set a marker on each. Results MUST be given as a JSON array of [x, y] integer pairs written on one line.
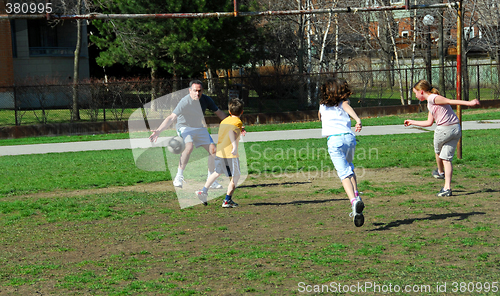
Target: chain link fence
[[263, 92]]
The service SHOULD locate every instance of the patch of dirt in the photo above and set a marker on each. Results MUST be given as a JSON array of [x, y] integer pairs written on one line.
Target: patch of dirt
[[149, 187], [279, 226]]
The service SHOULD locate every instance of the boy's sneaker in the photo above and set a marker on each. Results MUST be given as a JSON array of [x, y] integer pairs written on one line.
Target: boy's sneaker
[[358, 219], [436, 174], [229, 204], [216, 185], [444, 192], [178, 180], [202, 196]]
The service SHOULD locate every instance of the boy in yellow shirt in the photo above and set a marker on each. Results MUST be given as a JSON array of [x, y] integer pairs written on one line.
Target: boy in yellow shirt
[[226, 157]]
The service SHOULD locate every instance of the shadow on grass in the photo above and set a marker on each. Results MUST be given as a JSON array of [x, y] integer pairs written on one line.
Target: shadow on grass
[[486, 190], [459, 216], [296, 202], [274, 184]]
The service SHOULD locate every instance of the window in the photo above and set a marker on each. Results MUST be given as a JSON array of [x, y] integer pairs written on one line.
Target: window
[[468, 32], [41, 35], [13, 37], [405, 34], [42, 40]]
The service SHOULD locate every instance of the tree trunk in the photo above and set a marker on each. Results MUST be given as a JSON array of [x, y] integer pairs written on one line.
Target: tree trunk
[[337, 64], [401, 90], [413, 47], [226, 87], [496, 89], [154, 107], [442, 55], [465, 74], [76, 65], [300, 58], [210, 81], [309, 55], [175, 84], [323, 44]]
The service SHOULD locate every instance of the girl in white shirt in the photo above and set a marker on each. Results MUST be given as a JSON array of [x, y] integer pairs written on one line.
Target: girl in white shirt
[[334, 112]]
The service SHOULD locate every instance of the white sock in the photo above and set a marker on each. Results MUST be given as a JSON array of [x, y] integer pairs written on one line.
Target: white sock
[[180, 172]]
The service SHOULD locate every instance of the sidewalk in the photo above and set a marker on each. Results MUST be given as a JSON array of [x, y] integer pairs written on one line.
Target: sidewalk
[[250, 137]]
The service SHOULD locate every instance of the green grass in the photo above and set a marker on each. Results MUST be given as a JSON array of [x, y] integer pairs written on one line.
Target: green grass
[[78, 170], [83, 170], [7, 117]]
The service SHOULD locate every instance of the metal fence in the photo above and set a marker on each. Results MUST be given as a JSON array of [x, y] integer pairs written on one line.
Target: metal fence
[[276, 91]]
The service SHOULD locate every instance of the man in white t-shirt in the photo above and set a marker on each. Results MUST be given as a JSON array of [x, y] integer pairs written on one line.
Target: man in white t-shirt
[[191, 126]]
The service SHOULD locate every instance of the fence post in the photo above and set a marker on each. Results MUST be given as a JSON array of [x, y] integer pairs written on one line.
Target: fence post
[[15, 106], [478, 86], [407, 91], [104, 104]]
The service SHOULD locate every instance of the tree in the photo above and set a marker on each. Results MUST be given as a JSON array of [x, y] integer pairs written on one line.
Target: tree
[[74, 7], [75, 114], [489, 28], [182, 46]]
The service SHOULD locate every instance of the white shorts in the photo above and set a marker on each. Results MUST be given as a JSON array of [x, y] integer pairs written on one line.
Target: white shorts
[[228, 166], [446, 139], [341, 149], [199, 136]]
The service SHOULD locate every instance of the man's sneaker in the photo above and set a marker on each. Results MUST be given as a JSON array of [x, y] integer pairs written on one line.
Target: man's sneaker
[[444, 192], [436, 174], [202, 196], [178, 180], [229, 204], [358, 219], [216, 185]]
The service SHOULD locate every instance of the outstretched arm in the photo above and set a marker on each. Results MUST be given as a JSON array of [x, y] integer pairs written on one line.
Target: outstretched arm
[[426, 123], [347, 108], [440, 100], [166, 123], [220, 114]]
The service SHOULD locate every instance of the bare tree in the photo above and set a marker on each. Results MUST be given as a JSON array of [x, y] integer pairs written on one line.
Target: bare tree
[[75, 114], [488, 22], [74, 7]]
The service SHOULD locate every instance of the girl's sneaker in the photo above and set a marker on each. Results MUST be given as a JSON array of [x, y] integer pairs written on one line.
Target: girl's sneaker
[[358, 206], [358, 219], [436, 174], [229, 204], [444, 192], [357, 212]]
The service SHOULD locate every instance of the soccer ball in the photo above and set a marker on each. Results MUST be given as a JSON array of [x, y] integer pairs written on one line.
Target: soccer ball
[[176, 145]]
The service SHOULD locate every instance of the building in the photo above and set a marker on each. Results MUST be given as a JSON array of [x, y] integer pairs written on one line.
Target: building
[[38, 50]]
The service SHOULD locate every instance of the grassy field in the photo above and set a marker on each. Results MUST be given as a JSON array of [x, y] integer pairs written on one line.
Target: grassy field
[[91, 223]]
